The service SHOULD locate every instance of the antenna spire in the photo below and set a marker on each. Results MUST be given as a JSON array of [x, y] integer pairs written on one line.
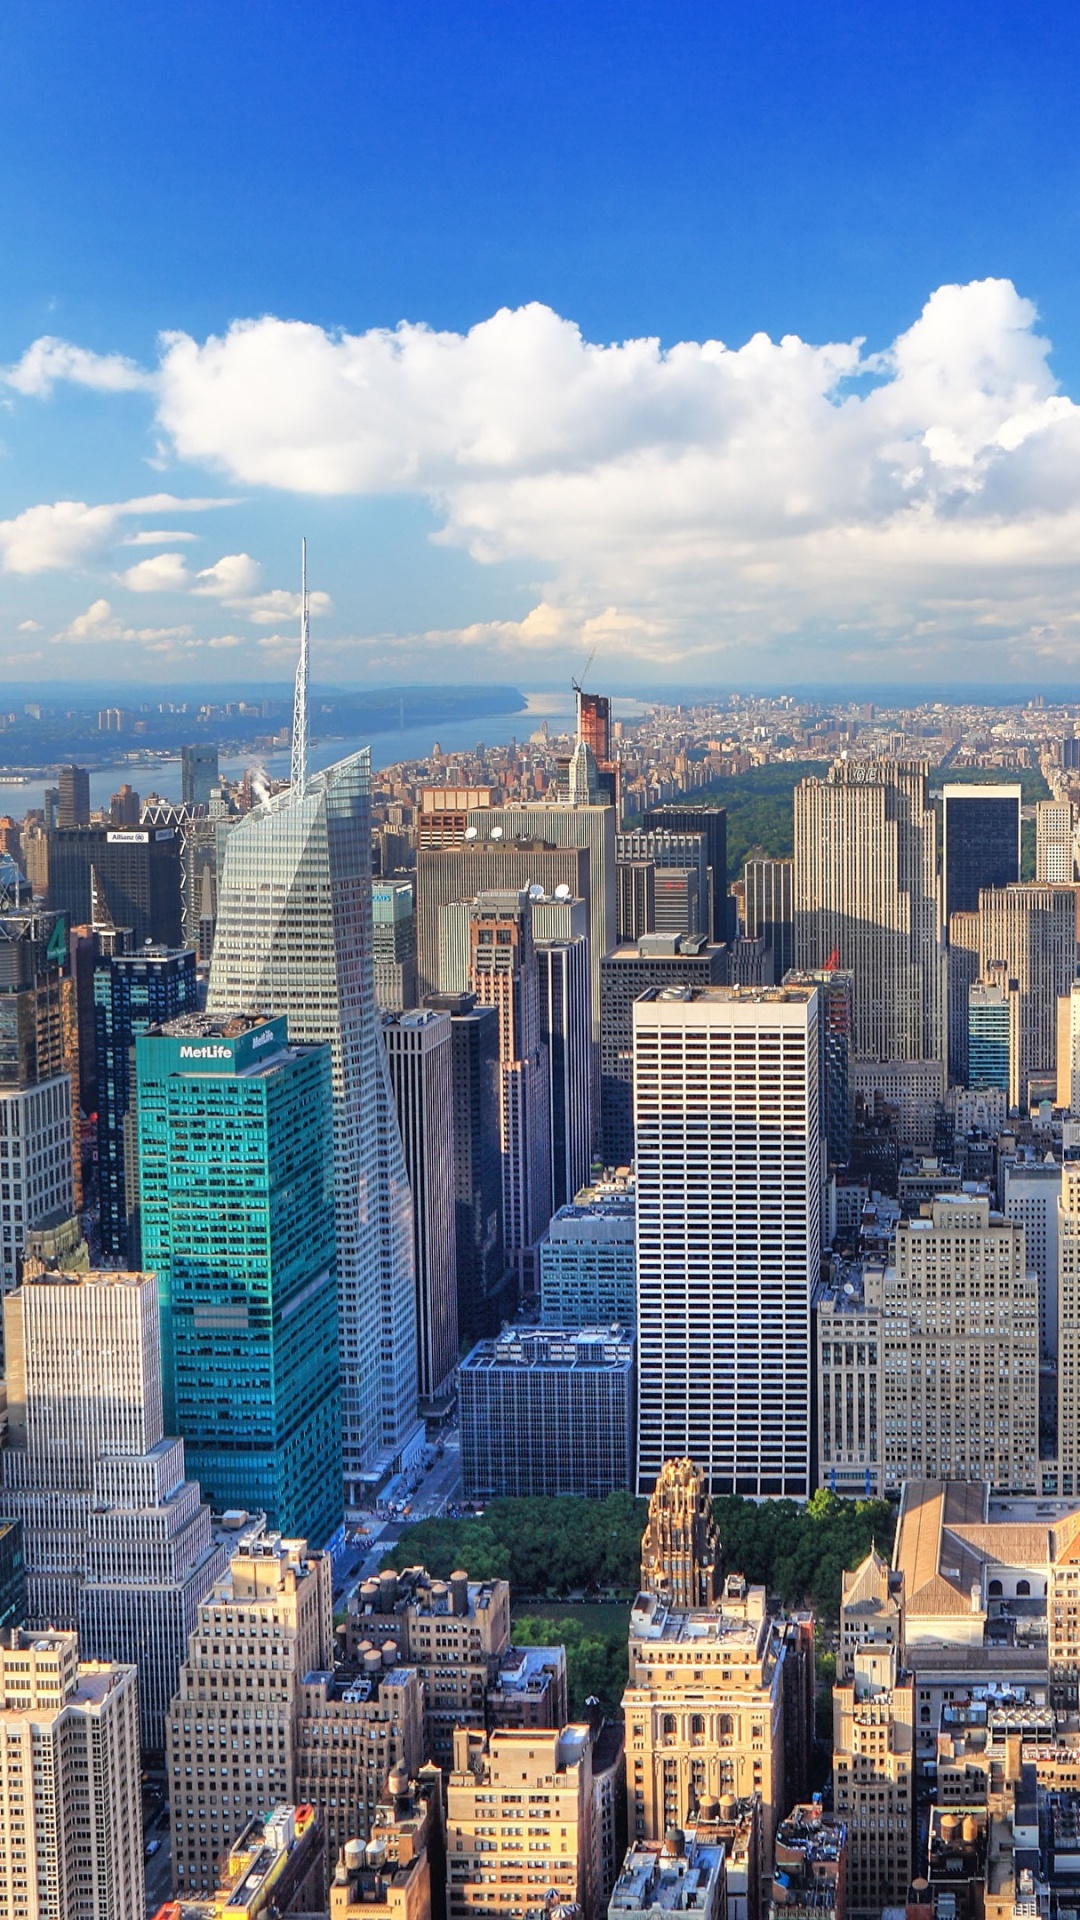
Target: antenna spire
[[298, 769]]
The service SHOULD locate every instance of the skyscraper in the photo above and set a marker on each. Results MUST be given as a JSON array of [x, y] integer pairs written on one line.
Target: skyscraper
[[674, 817], [836, 998], [961, 1361], [419, 1048], [476, 1158], [73, 806], [583, 826], [994, 1035], [273, 1608], [658, 960], [1031, 931], [1055, 843], [236, 1205], [451, 874], [980, 842], [40, 1167], [504, 974], [680, 1548], [70, 1804], [1068, 1324], [135, 872], [132, 991], [565, 1030], [198, 774], [727, 1118], [866, 899], [768, 911], [294, 936], [117, 1543], [394, 918], [680, 884]]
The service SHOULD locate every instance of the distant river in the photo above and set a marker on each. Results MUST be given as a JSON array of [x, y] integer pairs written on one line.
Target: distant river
[[407, 743]]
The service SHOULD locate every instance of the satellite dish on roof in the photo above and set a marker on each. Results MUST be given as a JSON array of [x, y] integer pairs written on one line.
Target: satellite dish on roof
[[496, 833], [562, 891], [470, 833], [536, 891]]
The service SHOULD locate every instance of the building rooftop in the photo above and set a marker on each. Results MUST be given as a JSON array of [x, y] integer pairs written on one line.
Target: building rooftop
[[562, 1349], [670, 1876], [650, 1620]]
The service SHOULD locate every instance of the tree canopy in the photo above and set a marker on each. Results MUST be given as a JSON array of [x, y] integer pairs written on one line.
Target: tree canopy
[[551, 1549]]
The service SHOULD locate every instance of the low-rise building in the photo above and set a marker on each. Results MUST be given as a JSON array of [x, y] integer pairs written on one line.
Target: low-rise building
[[587, 1265], [400, 1870], [519, 1822], [354, 1726], [274, 1867], [704, 1709], [548, 1411], [455, 1633], [678, 1874], [809, 1879], [529, 1689], [874, 1777]]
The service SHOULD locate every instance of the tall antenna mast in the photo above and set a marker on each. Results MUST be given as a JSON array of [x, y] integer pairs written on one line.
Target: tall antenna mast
[[298, 770]]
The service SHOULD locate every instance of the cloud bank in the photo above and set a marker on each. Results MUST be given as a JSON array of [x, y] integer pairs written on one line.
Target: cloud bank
[[681, 504]]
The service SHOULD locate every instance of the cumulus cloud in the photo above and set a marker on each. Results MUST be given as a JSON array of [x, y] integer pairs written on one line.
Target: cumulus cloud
[[232, 581], [676, 503], [49, 360], [62, 534]]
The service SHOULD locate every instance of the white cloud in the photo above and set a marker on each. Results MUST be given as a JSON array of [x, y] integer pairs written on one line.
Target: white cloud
[[29, 626], [679, 504], [691, 500], [48, 360], [232, 581], [232, 577], [62, 534], [155, 537], [164, 573]]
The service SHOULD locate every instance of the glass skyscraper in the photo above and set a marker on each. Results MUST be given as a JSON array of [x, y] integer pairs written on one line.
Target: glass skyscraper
[[294, 937], [237, 1207], [132, 991], [980, 842]]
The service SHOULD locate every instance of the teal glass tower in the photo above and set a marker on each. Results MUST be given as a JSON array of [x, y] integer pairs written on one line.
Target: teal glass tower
[[236, 1190]]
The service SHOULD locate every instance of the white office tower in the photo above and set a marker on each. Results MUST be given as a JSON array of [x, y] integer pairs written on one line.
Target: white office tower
[[726, 1109], [117, 1542], [1068, 1050], [1055, 842], [419, 1049], [294, 936], [70, 1800], [866, 898]]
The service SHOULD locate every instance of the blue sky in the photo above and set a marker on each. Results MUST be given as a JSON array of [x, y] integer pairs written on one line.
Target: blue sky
[[488, 498]]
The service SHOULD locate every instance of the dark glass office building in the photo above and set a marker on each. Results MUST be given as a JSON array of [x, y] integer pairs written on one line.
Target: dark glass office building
[[485, 1296], [980, 842], [712, 822], [132, 992], [137, 872]]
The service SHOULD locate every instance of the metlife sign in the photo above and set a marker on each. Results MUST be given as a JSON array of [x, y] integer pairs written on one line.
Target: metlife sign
[[219, 1054]]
